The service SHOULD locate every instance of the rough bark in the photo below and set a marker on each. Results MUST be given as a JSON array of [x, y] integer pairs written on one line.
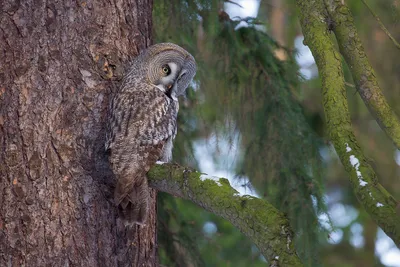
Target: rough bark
[[266, 226], [377, 201], [59, 61]]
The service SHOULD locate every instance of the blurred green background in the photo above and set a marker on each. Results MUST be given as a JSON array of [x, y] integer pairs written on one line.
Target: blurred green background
[[254, 115]]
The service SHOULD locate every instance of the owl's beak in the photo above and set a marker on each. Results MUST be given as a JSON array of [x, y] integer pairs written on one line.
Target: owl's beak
[[169, 90]]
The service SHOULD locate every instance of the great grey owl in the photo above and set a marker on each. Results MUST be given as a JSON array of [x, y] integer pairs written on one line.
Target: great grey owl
[[142, 122]]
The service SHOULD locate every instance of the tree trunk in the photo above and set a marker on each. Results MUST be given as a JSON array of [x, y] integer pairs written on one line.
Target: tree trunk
[[59, 63]]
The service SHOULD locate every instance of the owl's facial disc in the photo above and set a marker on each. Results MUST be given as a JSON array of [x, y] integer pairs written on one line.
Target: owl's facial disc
[[166, 83], [183, 73]]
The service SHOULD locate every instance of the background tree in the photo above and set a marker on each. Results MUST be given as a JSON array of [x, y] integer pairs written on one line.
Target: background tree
[[353, 236]]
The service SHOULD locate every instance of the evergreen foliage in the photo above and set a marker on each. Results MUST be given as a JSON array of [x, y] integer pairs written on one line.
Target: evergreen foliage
[[243, 90]]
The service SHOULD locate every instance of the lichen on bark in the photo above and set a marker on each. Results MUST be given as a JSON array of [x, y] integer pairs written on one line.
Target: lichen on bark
[[376, 200], [266, 226], [363, 74]]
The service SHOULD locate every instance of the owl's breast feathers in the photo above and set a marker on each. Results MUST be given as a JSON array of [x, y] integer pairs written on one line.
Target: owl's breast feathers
[[140, 118]]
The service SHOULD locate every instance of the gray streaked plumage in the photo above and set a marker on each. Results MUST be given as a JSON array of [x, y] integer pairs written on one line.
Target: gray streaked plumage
[[142, 122]]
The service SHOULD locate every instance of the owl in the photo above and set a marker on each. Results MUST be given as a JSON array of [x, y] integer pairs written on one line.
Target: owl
[[142, 123]]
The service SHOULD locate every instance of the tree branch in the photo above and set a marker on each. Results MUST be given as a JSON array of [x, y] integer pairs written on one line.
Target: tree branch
[[381, 24], [363, 74], [374, 198], [267, 227]]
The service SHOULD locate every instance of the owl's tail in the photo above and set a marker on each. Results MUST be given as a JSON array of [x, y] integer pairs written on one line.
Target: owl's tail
[[133, 204]]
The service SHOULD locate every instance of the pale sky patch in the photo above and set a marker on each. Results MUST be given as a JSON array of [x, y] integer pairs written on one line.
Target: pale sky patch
[[204, 177]]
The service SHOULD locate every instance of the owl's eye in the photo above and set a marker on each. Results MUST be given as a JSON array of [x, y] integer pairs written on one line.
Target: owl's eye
[[166, 70]]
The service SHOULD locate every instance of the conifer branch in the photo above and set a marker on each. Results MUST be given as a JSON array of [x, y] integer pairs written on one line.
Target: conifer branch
[[381, 25], [363, 74], [379, 204], [267, 227]]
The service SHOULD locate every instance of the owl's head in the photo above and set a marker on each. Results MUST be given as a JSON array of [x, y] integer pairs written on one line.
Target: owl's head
[[169, 67]]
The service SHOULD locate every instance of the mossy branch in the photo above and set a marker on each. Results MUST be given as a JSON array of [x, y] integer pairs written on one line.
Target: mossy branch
[[374, 198], [363, 74], [267, 227]]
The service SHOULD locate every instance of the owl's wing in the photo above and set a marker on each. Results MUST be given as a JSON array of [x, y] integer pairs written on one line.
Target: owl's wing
[[140, 124], [131, 177], [130, 165], [148, 117], [163, 124]]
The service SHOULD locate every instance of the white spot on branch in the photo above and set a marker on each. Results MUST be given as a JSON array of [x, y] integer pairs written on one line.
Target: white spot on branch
[[379, 204], [348, 148], [354, 162], [160, 162], [356, 165]]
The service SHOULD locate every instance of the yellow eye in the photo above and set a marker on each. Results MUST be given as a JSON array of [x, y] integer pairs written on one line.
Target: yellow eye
[[166, 69]]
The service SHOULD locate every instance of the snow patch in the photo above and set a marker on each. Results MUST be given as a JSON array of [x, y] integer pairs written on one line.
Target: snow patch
[[204, 177], [356, 165], [354, 162], [348, 148]]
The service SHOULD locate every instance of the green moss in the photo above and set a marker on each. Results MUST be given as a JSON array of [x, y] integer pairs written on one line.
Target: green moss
[[363, 74], [267, 227], [375, 199]]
